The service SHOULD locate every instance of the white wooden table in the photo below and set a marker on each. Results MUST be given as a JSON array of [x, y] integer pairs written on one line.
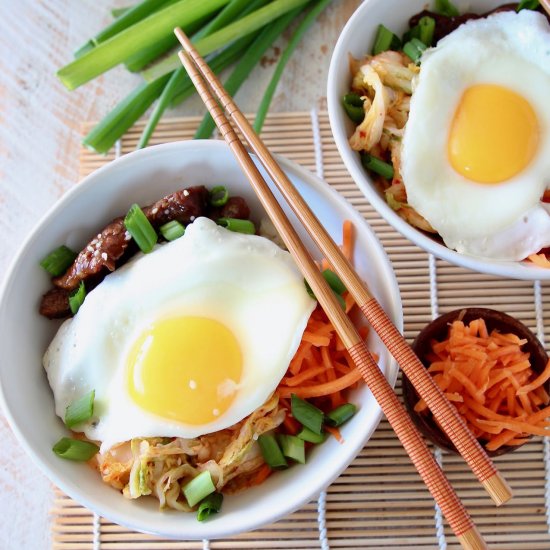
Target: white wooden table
[[40, 132]]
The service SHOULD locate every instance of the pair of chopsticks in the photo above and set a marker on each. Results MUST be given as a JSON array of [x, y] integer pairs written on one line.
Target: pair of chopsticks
[[211, 91]]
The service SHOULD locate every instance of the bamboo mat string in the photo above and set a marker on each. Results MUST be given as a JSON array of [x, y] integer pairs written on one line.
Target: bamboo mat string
[[205, 544], [438, 516], [539, 313], [96, 532], [319, 168]]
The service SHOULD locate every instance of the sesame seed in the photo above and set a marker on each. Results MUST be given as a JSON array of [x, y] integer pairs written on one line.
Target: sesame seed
[[155, 210], [96, 253], [127, 236], [166, 212], [104, 256], [99, 235], [90, 248], [185, 193], [192, 218]]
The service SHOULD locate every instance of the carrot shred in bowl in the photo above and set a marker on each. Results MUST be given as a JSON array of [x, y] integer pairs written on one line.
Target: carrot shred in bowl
[[321, 369], [489, 379]]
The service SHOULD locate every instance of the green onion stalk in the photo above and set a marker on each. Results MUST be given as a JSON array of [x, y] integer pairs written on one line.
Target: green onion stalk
[[179, 77], [130, 16], [249, 60], [142, 34], [291, 46], [250, 23]]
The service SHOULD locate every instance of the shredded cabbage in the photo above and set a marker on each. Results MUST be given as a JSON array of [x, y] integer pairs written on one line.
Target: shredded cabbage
[[385, 82], [159, 467]]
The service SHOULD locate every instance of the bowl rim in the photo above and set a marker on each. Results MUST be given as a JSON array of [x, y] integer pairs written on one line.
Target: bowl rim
[[507, 269], [303, 497]]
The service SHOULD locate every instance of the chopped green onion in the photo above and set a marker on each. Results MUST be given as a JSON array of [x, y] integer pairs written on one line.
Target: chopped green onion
[[528, 5], [219, 195], [446, 7], [305, 24], [198, 488], [76, 298], [271, 451], [413, 32], [256, 20], [353, 105], [385, 40], [427, 29], [58, 261], [172, 230], [142, 34], [238, 226], [335, 284], [293, 447], [378, 166], [307, 435], [340, 414], [307, 414], [140, 228], [80, 410], [75, 449], [210, 505], [414, 48], [334, 281], [248, 61], [340, 300]]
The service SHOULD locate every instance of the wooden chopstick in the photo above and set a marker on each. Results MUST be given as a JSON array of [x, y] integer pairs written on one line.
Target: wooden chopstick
[[434, 478], [444, 412], [545, 5]]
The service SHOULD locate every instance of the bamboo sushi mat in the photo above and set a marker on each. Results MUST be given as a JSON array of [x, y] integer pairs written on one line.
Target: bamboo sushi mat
[[379, 501]]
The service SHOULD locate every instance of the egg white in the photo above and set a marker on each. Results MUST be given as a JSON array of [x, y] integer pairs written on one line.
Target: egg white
[[245, 282], [509, 49]]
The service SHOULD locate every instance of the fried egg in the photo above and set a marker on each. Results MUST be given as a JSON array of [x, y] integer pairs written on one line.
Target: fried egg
[[184, 341], [476, 148]]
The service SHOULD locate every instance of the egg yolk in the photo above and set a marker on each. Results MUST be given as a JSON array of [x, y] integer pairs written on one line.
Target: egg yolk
[[494, 134], [185, 368]]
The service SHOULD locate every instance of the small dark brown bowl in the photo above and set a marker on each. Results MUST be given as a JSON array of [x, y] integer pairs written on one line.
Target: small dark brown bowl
[[437, 330]]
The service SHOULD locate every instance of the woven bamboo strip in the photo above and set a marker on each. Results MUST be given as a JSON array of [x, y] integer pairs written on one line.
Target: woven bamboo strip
[[379, 502]]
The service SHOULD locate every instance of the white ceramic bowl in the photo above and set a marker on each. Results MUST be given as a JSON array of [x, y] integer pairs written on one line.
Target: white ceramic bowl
[[143, 177], [357, 39]]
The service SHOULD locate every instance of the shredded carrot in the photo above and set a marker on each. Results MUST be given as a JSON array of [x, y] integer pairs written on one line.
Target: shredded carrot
[[320, 390], [347, 240], [304, 375], [261, 475], [315, 339], [491, 382], [291, 425], [538, 381], [335, 432], [296, 362]]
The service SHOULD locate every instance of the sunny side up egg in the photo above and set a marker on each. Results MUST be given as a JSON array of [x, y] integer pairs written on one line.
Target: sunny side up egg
[[476, 148], [184, 341]]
